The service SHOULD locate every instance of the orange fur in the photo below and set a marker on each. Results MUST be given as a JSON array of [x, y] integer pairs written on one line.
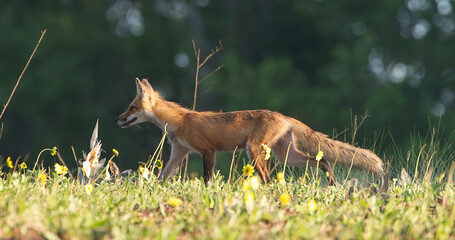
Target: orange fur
[[209, 132]]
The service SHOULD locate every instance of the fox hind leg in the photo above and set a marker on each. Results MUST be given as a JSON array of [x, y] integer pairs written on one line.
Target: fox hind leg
[[265, 134], [209, 164], [256, 156]]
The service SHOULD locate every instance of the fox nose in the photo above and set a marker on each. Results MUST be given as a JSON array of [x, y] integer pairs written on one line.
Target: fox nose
[[116, 120]]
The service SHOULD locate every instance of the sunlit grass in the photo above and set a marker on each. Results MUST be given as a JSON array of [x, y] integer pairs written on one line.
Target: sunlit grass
[[297, 204], [146, 208]]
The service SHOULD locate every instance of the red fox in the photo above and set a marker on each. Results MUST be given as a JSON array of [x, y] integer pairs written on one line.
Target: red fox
[[208, 132]]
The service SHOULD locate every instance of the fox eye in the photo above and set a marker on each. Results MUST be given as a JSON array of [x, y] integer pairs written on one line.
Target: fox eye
[[132, 107]]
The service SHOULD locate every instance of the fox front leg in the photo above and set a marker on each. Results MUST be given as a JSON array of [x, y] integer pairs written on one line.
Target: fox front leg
[[178, 152]]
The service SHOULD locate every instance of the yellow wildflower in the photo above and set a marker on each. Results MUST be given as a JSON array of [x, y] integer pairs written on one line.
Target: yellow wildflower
[[246, 185], [115, 152], [60, 170], [88, 188], [159, 164], [248, 197], [267, 151], [280, 177], [54, 151], [441, 177], [319, 155], [285, 199], [141, 169], [43, 178], [174, 202], [248, 170], [249, 200], [312, 205], [9, 163], [23, 165]]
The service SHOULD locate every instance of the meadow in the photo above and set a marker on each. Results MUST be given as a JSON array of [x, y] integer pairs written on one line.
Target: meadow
[[297, 204], [101, 202]]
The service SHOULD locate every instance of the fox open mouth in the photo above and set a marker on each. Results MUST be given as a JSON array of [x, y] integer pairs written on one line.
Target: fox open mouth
[[128, 123]]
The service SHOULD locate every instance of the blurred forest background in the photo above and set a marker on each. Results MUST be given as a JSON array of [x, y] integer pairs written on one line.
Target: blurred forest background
[[320, 61]]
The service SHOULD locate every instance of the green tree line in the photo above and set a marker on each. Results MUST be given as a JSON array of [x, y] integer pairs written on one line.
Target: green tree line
[[320, 61]]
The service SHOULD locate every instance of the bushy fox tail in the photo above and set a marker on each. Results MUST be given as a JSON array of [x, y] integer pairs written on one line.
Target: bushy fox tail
[[334, 150]]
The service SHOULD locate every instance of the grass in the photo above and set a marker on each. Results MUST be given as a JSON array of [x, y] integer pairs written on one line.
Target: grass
[[419, 204], [61, 208]]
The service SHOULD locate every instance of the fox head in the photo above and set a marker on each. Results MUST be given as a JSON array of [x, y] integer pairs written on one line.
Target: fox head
[[141, 109]]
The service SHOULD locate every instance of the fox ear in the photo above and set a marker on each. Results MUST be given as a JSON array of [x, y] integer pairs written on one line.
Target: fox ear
[[146, 83], [144, 90], [140, 87]]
